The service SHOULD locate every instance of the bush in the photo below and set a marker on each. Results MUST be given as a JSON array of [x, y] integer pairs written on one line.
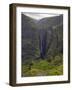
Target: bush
[[58, 60]]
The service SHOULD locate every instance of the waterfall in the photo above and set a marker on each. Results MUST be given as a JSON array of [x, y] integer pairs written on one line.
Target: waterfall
[[42, 43]]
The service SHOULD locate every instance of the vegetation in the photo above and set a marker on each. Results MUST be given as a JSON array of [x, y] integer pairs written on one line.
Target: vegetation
[[44, 67], [42, 46]]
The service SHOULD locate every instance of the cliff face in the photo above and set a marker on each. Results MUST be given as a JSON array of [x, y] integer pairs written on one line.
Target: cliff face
[[41, 38]]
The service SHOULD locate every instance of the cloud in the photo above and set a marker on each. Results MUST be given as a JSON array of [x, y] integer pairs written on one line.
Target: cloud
[[39, 16]]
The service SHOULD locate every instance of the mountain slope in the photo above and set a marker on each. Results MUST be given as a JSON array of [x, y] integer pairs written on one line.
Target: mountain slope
[[41, 38]]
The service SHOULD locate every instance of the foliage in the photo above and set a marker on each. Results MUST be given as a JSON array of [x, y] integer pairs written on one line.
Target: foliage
[[44, 67]]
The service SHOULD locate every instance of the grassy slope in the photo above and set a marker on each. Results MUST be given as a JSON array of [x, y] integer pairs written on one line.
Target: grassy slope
[[53, 66]]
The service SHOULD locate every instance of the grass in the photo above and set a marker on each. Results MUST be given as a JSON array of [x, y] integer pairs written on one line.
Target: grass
[[44, 67]]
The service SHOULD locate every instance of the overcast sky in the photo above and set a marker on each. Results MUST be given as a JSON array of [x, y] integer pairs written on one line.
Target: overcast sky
[[40, 16]]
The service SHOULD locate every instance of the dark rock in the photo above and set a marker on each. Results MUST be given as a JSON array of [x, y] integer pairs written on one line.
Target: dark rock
[[43, 38]]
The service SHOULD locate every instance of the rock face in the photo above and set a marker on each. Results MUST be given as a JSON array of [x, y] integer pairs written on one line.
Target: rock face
[[41, 38]]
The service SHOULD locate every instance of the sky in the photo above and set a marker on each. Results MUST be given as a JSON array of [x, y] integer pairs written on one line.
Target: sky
[[39, 16]]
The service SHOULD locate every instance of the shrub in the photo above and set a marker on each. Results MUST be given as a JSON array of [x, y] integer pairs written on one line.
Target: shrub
[[58, 60]]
